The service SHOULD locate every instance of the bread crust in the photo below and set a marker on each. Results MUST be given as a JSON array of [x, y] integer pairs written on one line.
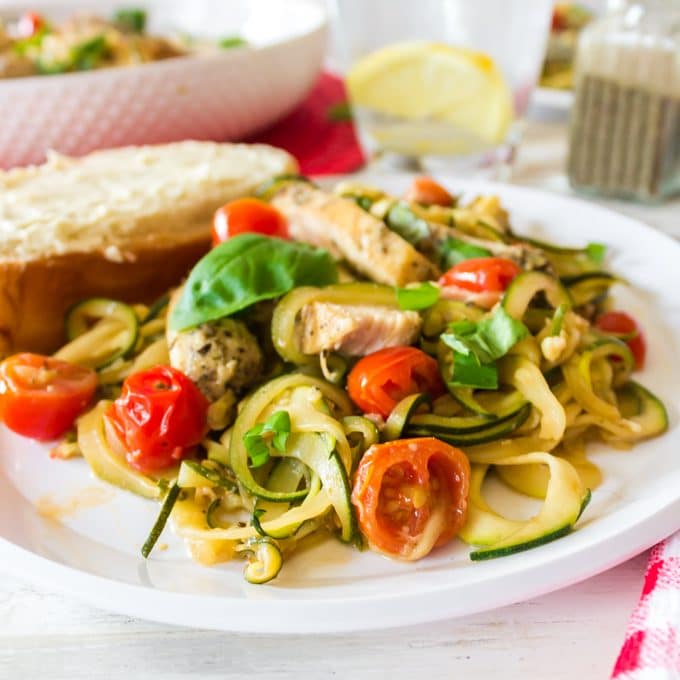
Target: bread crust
[[35, 295]]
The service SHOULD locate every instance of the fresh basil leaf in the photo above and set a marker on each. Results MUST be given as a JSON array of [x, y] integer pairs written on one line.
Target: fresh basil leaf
[[422, 296], [477, 345], [468, 372], [499, 333], [131, 19], [244, 270], [231, 41], [596, 252], [453, 251], [257, 448], [279, 425], [403, 221], [456, 343], [275, 430], [340, 112]]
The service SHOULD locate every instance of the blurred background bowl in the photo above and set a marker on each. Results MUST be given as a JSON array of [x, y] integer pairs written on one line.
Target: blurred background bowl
[[222, 96]]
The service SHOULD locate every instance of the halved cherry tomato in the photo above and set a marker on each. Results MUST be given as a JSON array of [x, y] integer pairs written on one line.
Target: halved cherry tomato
[[425, 190], [158, 417], [29, 24], [411, 495], [248, 215], [481, 274], [379, 381], [620, 323], [40, 397]]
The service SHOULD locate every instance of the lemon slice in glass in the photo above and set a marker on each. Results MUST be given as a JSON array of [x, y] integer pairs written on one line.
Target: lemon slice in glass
[[437, 84]]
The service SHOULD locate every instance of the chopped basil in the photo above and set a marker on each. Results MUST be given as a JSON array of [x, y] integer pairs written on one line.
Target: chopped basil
[[596, 252], [453, 251], [477, 345], [231, 41], [131, 19], [275, 431], [417, 297], [340, 112], [403, 221], [246, 269]]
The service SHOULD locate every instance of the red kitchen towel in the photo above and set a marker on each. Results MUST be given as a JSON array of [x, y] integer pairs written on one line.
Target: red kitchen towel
[[651, 650], [318, 132]]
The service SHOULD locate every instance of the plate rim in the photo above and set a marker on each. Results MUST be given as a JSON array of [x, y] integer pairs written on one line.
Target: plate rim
[[579, 555]]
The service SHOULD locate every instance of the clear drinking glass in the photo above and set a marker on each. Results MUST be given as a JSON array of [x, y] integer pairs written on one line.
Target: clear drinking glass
[[512, 32]]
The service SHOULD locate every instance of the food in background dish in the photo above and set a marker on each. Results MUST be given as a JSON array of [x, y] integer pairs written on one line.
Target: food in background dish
[[358, 374], [34, 45], [568, 20]]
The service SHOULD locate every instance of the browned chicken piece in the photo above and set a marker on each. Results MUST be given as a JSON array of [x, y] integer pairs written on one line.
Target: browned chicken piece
[[355, 330], [350, 233]]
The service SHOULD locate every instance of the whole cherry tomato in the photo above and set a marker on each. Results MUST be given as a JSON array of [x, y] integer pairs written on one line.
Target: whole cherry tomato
[[158, 417], [620, 323], [379, 381], [40, 397], [481, 274], [248, 215], [411, 495], [425, 190]]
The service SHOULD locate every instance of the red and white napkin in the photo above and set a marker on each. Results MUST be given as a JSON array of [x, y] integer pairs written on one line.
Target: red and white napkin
[[651, 650]]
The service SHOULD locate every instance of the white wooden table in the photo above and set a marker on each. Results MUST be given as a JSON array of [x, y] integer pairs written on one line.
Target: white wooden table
[[573, 633]]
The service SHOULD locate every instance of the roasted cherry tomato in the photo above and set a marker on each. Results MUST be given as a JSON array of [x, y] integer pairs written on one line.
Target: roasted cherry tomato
[[40, 397], [411, 495], [620, 323], [481, 274], [425, 190], [29, 24], [247, 215], [158, 417], [379, 381]]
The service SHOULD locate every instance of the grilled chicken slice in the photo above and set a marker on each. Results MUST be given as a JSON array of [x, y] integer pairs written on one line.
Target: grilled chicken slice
[[218, 356], [355, 330], [350, 233]]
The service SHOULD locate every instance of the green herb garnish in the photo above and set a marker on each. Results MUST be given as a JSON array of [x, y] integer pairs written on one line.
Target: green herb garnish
[[274, 431], [478, 345], [418, 297], [596, 252]]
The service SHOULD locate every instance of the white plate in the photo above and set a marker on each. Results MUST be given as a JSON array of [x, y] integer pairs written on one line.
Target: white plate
[[94, 554], [221, 96]]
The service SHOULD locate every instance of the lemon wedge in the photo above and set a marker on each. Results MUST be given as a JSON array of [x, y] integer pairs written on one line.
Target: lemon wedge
[[437, 84]]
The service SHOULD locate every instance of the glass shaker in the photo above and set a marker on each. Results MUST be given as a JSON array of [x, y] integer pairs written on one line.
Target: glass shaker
[[625, 125]]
